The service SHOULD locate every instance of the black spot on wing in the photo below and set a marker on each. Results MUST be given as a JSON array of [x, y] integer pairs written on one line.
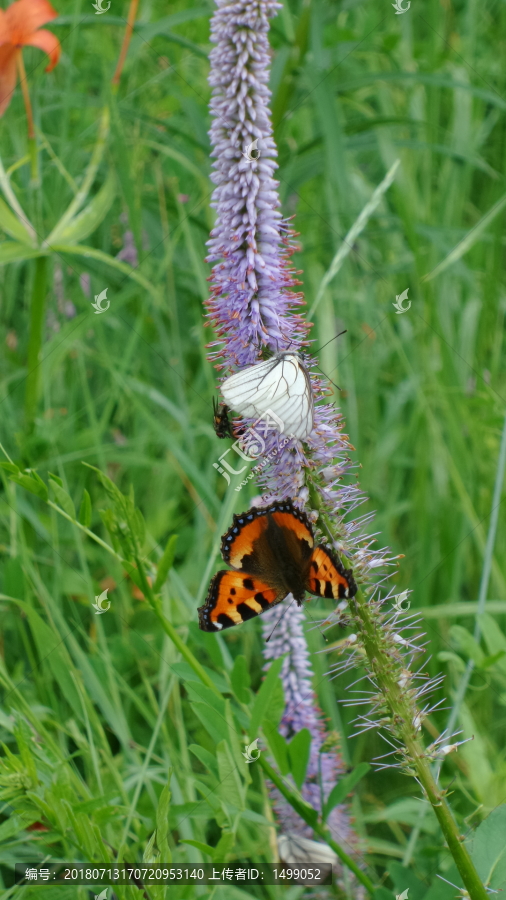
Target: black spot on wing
[[246, 612], [264, 603], [225, 621], [328, 589], [248, 584]]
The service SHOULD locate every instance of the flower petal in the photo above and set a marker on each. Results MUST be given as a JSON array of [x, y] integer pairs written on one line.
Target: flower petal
[[7, 75], [46, 41], [24, 17]]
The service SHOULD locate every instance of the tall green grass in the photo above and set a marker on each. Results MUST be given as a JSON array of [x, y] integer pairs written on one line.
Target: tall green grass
[[98, 704]]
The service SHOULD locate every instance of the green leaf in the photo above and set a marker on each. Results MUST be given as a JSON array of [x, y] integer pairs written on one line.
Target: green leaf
[[86, 252], [85, 509], [279, 748], [162, 824], [204, 848], [215, 725], [298, 755], [9, 467], [240, 679], [111, 489], [200, 693], [382, 894], [165, 563], [56, 478], [53, 654], [138, 527], [467, 644], [87, 221], [224, 846], [205, 757], [34, 485], [264, 695], [11, 251], [12, 225], [133, 572], [489, 849], [341, 790], [62, 498], [231, 789]]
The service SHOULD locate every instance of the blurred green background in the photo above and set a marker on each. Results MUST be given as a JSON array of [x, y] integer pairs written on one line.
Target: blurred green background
[[355, 87]]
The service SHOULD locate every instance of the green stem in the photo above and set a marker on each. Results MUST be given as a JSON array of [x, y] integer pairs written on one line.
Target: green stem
[[297, 53], [386, 672], [270, 772], [37, 308], [171, 632], [317, 827]]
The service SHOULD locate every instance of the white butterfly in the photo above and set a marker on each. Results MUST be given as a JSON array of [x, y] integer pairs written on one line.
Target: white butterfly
[[294, 850], [280, 385]]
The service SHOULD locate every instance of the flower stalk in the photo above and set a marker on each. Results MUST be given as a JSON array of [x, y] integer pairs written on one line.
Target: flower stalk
[[37, 309], [32, 143], [132, 15], [386, 671]]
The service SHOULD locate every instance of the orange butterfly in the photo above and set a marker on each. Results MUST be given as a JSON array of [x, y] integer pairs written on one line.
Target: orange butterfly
[[272, 553]]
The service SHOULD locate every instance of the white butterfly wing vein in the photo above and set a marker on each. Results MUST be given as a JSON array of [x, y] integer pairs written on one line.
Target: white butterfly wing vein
[[294, 849], [281, 385]]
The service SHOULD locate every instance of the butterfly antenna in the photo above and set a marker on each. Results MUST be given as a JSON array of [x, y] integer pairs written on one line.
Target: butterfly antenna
[[325, 638], [279, 620], [329, 379], [329, 342]]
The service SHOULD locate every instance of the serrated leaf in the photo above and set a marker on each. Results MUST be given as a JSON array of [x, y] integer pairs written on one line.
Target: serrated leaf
[[87, 221], [85, 509], [263, 697], [63, 499], [341, 790], [165, 563], [240, 679], [298, 755], [33, 485]]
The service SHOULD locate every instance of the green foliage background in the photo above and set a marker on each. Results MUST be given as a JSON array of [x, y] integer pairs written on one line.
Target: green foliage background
[[97, 709]]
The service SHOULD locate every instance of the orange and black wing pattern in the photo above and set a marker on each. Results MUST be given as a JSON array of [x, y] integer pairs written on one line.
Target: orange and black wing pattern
[[246, 543], [327, 577], [234, 597]]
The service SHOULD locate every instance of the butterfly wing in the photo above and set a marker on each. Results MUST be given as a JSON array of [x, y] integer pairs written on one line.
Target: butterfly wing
[[281, 385], [234, 597], [295, 849], [261, 538], [293, 400], [327, 577]]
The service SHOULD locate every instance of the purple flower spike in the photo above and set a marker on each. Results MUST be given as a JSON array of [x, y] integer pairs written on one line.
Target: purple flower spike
[[252, 304], [301, 711]]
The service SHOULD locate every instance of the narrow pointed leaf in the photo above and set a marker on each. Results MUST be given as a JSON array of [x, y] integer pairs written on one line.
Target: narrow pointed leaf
[[89, 219]]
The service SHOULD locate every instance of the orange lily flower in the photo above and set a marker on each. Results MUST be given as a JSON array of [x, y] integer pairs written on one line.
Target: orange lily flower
[[19, 27]]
